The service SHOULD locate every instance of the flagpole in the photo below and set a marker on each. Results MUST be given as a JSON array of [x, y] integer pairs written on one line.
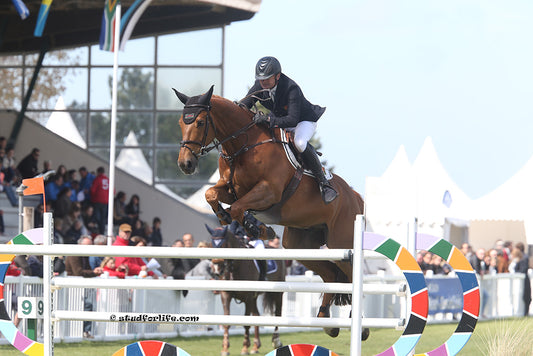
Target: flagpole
[[112, 141]]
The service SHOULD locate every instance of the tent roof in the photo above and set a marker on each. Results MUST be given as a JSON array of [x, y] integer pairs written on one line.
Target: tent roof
[[433, 181], [132, 160], [77, 22], [60, 122], [407, 190], [513, 200]]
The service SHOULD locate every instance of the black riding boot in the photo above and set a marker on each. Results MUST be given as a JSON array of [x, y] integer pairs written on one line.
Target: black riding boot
[[262, 269], [312, 162]]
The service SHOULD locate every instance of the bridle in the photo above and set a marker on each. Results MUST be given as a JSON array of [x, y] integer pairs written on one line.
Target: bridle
[[205, 149]]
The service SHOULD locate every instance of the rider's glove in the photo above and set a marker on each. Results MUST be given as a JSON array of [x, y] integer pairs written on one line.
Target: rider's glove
[[260, 118]]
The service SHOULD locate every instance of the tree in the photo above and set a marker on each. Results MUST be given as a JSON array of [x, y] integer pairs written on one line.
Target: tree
[[50, 82]]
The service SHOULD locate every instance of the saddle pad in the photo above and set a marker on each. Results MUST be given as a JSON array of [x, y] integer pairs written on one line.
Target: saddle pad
[[291, 157]]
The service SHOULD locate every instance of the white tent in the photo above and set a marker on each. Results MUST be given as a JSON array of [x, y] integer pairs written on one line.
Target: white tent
[[132, 160], [507, 212], [197, 200], [60, 123], [423, 190]]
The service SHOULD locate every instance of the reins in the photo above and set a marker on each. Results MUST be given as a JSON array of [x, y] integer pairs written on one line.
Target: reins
[[230, 158]]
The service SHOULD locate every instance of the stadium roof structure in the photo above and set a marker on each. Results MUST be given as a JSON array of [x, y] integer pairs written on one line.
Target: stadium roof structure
[[73, 23]]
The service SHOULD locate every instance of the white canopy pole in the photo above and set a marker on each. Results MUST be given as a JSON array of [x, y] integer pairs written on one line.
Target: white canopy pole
[[112, 141]]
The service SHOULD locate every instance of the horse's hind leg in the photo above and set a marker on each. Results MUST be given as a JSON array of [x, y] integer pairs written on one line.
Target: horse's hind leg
[[326, 270], [313, 239], [276, 341], [246, 341], [251, 309], [257, 341]]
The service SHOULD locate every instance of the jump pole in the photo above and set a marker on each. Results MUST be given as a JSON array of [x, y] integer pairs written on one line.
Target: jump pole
[[48, 300], [357, 287]]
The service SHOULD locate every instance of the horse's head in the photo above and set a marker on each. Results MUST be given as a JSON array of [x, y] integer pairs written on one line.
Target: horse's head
[[223, 237], [196, 127]]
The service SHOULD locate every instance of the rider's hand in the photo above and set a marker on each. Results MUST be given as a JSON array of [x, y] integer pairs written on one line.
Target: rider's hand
[[260, 118]]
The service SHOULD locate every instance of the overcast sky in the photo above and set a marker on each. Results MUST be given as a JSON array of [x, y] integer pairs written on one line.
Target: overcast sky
[[394, 72]]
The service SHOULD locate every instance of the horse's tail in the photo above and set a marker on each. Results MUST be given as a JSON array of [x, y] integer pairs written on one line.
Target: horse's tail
[[270, 303], [342, 299]]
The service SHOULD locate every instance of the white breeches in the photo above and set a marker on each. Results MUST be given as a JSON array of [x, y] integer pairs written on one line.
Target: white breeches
[[303, 133]]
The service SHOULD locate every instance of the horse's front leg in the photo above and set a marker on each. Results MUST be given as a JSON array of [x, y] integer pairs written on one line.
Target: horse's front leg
[[260, 197], [257, 341], [216, 194], [226, 300]]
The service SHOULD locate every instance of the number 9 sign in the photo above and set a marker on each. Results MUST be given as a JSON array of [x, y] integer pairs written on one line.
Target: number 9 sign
[[30, 307]]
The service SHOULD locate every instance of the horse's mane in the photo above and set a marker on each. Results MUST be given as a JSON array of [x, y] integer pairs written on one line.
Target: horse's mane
[[229, 105]]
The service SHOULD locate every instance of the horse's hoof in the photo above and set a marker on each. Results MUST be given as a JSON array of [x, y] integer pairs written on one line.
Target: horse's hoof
[[276, 344], [224, 353], [333, 332], [244, 353], [254, 352], [365, 334]]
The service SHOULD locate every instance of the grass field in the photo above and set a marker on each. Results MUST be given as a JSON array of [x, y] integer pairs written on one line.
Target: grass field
[[492, 338]]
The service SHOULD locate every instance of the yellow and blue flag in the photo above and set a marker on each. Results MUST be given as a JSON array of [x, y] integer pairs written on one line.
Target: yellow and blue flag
[[41, 18]]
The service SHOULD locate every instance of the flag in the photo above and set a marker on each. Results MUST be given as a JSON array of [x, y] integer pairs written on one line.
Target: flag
[[41, 18], [107, 32], [34, 186], [447, 199], [130, 19], [21, 9]]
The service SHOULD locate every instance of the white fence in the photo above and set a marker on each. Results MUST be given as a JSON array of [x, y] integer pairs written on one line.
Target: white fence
[[500, 297], [138, 299]]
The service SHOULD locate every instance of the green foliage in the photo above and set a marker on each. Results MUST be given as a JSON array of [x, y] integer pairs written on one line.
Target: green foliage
[[50, 82]]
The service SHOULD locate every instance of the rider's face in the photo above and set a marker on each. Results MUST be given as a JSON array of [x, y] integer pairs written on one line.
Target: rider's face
[[270, 82]]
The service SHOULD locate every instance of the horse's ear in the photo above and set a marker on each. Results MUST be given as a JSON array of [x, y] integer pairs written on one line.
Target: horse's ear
[[211, 231], [206, 98], [183, 98]]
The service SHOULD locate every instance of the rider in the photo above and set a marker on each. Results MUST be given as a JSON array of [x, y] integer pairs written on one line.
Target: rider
[[289, 110]]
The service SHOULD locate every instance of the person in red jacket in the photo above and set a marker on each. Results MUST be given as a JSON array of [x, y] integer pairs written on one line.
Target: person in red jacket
[[135, 264], [109, 266], [100, 198]]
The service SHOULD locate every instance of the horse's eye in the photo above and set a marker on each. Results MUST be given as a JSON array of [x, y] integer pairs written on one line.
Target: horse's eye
[[200, 123]]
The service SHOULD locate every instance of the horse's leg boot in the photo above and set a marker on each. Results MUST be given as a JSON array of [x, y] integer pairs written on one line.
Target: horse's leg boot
[[312, 162], [251, 225], [256, 229]]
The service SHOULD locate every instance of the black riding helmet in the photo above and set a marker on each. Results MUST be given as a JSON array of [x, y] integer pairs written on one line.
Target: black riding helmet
[[267, 67]]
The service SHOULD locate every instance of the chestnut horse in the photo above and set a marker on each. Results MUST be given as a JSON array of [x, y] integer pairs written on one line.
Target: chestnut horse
[[254, 173], [245, 270]]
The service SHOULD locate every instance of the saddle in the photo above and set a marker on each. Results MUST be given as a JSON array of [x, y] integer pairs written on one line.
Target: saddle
[[293, 156]]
